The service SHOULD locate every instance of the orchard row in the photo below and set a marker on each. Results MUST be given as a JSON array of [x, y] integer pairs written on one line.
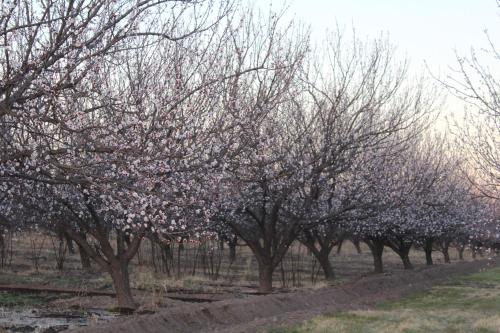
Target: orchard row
[[124, 120]]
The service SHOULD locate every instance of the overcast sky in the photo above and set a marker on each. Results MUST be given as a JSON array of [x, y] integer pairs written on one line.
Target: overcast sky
[[424, 30]]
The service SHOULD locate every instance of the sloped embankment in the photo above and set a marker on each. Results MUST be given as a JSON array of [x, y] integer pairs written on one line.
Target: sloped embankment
[[256, 313]]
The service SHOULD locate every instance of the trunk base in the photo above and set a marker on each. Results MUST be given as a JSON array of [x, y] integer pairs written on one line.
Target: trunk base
[[406, 262], [121, 284], [265, 279]]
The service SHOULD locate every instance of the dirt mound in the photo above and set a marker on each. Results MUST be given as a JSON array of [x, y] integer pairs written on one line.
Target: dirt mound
[[259, 312]]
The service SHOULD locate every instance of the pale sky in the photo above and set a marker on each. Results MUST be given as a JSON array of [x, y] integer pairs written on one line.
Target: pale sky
[[424, 30]]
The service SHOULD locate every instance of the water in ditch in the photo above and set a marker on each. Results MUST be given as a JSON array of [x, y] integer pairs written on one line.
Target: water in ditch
[[47, 321]]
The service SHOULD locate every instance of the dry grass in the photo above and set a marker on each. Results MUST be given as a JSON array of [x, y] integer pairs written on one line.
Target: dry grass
[[151, 284], [469, 304]]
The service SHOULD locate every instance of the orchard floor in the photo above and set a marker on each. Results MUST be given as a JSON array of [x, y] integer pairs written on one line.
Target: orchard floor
[[467, 304], [280, 312], [194, 283]]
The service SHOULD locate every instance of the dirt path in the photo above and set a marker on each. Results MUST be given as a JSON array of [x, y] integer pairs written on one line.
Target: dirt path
[[257, 313]]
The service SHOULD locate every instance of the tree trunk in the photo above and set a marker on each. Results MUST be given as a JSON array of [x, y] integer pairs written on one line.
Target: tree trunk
[[326, 265], [402, 248], [153, 256], [377, 249], [119, 273], [321, 253], [428, 251], [265, 277], [232, 248], [2, 249], [446, 255], [232, 252], [378, 265], [166, 257], [179, 249], [461, 252], [406, 259], [115, 262], [61, 254], [69, 242], [357, 245], [271, 246], [445, 245], [339, 246], [84, 259]]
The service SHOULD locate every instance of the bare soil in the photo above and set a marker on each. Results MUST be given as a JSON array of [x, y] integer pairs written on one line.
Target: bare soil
[[258, 313], [191, 292]]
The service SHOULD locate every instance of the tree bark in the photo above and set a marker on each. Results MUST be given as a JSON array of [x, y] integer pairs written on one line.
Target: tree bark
[[378, 265], [445, 245], [232, 253], [461, 252], [84, 256], [69, 242], [265, 277], [402, 248], [322, 255], [406, 260], [446, 255], [357, 245], [326, 265], [267, 245], [2, 249], [320, 246], [339, 246], [121, 284], [232, 249], [377, 249], [428, 251], [115, 264]]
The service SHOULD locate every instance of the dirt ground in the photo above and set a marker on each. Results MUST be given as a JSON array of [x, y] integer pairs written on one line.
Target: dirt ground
[[258, 313], [181, 291]]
